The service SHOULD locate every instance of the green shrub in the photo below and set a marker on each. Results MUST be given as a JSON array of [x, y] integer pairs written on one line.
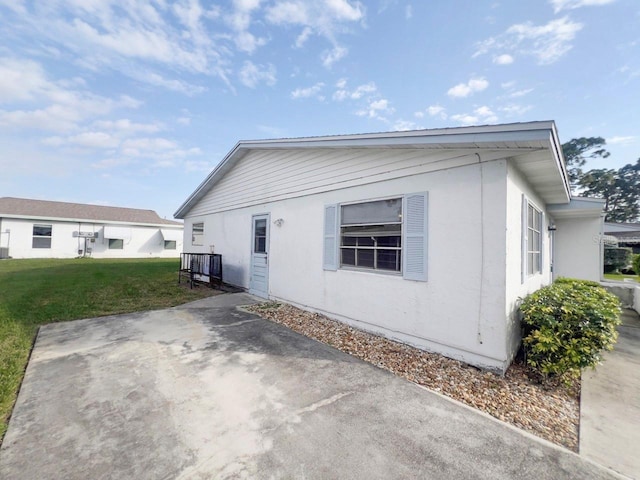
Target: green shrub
[[616, 258], [636, 264], [568, 325], [574, 281]]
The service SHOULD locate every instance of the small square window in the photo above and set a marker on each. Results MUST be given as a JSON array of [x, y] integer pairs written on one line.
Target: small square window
[[116, 244], [169, 244], [42, 236], [197, 234]]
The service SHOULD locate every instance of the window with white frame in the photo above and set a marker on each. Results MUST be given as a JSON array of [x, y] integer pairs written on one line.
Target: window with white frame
[[42, 236], [197, 234], [385, 236], [371, 235], [170, 245], [533, 238]]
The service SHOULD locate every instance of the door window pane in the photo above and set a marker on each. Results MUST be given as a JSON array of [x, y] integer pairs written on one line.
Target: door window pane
[[260, 236]]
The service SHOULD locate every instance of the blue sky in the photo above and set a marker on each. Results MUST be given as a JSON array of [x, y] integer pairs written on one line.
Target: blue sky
[[131, 103]]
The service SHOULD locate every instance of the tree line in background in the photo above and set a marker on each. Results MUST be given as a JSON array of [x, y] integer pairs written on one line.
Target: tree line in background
[[619, 188]]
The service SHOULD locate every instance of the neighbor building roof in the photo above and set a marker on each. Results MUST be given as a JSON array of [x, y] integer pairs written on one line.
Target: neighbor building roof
[[44, 210], [534, 147]]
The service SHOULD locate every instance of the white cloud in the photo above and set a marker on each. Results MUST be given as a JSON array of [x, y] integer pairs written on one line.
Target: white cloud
[[418, 114], [465, 89], [332, 56], [559, 5], [176, 85], [515, 110], [486, 114], [127, 127], [303, 37], [93, 140], [21, 80], [59, 106], [465, 119], [620, 140], [289, 12], [521, 93], [408, 12], [376, 109], [184, 120], [240, 21], [345, 11], [153, 144], [360, 91], [547, 43], [197, 166], [327, 18], [504, 59], [404, 125], [480, 115], [437, 110], [312, 91], [159, 39], [111, 162], [251, 74]]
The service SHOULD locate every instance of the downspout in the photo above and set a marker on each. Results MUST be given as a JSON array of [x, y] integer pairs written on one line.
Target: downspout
[[482, 227]]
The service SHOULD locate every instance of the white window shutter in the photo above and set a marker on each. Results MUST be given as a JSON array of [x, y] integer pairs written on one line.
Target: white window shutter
[[330, 256], [523, 265], [414, 243]]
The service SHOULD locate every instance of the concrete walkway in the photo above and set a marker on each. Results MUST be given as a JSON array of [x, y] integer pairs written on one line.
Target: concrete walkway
[[208, 391], [610, 404]]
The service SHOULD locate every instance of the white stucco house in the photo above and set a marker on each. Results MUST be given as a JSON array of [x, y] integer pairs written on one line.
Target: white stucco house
[[44, 229], [430, 237]]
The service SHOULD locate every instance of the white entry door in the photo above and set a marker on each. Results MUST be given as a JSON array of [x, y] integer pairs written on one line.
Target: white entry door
[[259, 281]]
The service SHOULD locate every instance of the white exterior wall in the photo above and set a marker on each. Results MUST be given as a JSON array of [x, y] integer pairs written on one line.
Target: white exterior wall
[[459, 311], [578, 248], [519, 285], [146, 241]]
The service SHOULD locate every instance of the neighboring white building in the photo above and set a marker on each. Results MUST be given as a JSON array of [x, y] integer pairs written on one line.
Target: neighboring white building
[[430, 237], [43, 229]]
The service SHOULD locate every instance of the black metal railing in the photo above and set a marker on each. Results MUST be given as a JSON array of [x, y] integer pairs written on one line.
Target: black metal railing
[[204, 268]]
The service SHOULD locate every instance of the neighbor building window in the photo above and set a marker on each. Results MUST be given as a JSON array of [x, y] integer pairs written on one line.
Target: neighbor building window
[[197, 234], [169, 244], [41, 236], [534, 240], [371, 235], [116, 244]]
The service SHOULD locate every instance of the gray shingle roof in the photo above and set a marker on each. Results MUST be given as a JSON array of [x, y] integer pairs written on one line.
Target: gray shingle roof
[[78, 211]]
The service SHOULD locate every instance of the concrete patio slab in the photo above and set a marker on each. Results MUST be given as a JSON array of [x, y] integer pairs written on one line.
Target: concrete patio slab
[[610, 404], [209, 391]]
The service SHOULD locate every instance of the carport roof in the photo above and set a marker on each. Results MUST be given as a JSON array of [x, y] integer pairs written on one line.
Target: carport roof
[[533, 146]]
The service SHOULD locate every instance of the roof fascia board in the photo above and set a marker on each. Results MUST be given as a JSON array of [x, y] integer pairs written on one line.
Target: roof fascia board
[[556, 149]]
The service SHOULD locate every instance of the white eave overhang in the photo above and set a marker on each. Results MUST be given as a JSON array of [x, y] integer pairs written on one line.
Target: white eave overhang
[[533, 146], [578, 207]]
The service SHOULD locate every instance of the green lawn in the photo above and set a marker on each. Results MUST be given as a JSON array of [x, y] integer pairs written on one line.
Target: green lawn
[[36, 292]]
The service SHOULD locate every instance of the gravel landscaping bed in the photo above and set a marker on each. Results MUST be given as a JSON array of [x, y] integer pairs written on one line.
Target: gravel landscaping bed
[[550, 412]]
